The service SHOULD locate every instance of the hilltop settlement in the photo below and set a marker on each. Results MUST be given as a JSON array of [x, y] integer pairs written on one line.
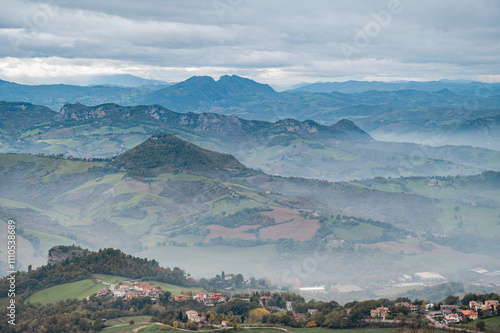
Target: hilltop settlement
[[204, 306]]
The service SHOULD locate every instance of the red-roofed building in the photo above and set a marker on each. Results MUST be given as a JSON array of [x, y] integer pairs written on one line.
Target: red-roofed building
[[476, 305], [452, 318], [300, 316], [215, 295], [201, 296], [491, 304], [403, 304], [379, 312], [102, 292], [471, 315]]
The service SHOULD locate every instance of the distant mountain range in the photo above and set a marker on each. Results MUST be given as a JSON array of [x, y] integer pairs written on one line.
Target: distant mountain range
[[288, 147], [126, 80], [411, 111], [460, 87]]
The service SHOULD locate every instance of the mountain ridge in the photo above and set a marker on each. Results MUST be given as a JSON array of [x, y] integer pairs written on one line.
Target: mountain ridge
[[221, 124], [414, 113]]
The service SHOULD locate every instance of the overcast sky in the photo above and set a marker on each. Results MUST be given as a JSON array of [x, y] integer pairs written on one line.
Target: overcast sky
[[275, 42]]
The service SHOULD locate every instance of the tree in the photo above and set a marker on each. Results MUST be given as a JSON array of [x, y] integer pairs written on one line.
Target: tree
[[131, 322], [481, 326], [451, 300], [256, 315], [192, 325]]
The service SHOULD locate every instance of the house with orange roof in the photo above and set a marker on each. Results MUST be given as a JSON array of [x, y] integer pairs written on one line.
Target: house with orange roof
[[476, 305], [143, 287], [102, 292], [299, 316], [491, 304], [452, 318], [403, 304], [201, 296], [470, 314], [380, 312]]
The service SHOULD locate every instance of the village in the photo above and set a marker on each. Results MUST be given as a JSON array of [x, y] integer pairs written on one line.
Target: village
[[443, 316], [128, 290], [447, 314]]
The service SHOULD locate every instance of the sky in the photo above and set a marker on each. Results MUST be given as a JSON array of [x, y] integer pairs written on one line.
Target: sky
[[281, 43]]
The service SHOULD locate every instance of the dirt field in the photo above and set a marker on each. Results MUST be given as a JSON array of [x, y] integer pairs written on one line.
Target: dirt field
[[217, 230], [283, 214], [300, 230]]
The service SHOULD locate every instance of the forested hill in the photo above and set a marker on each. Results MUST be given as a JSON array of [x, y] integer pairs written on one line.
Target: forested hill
[[165, 152], [87, 263]]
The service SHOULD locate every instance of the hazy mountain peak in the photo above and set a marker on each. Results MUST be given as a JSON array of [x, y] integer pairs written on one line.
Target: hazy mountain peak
[[166, 152], [348, 127]]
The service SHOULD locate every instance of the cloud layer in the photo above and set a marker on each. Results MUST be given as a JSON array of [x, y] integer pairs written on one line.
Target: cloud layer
[[279, 42]]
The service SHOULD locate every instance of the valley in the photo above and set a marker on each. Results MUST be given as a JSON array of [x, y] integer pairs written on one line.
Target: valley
[[301, 202], [214, 209]]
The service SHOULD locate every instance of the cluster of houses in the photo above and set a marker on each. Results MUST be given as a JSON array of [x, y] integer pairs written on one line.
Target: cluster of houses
[[452, 313], [128, 292], [208, 299], [382, 311], [487, 306]]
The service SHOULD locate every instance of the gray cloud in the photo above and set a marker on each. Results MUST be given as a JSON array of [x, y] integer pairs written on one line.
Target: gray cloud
[[273, 41]]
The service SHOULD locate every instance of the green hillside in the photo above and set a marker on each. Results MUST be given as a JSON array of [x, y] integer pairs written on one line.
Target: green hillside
[[78, 290], [207, 215]]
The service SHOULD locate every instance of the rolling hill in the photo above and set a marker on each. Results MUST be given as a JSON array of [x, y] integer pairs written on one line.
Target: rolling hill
[[165, 153], [249, 221]]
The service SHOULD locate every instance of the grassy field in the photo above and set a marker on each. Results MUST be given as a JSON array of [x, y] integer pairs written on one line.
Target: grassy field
[[136, 327], [125, 320], [324, 330], [492, 324], [78, 290], [121, 325], [146, 327]]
